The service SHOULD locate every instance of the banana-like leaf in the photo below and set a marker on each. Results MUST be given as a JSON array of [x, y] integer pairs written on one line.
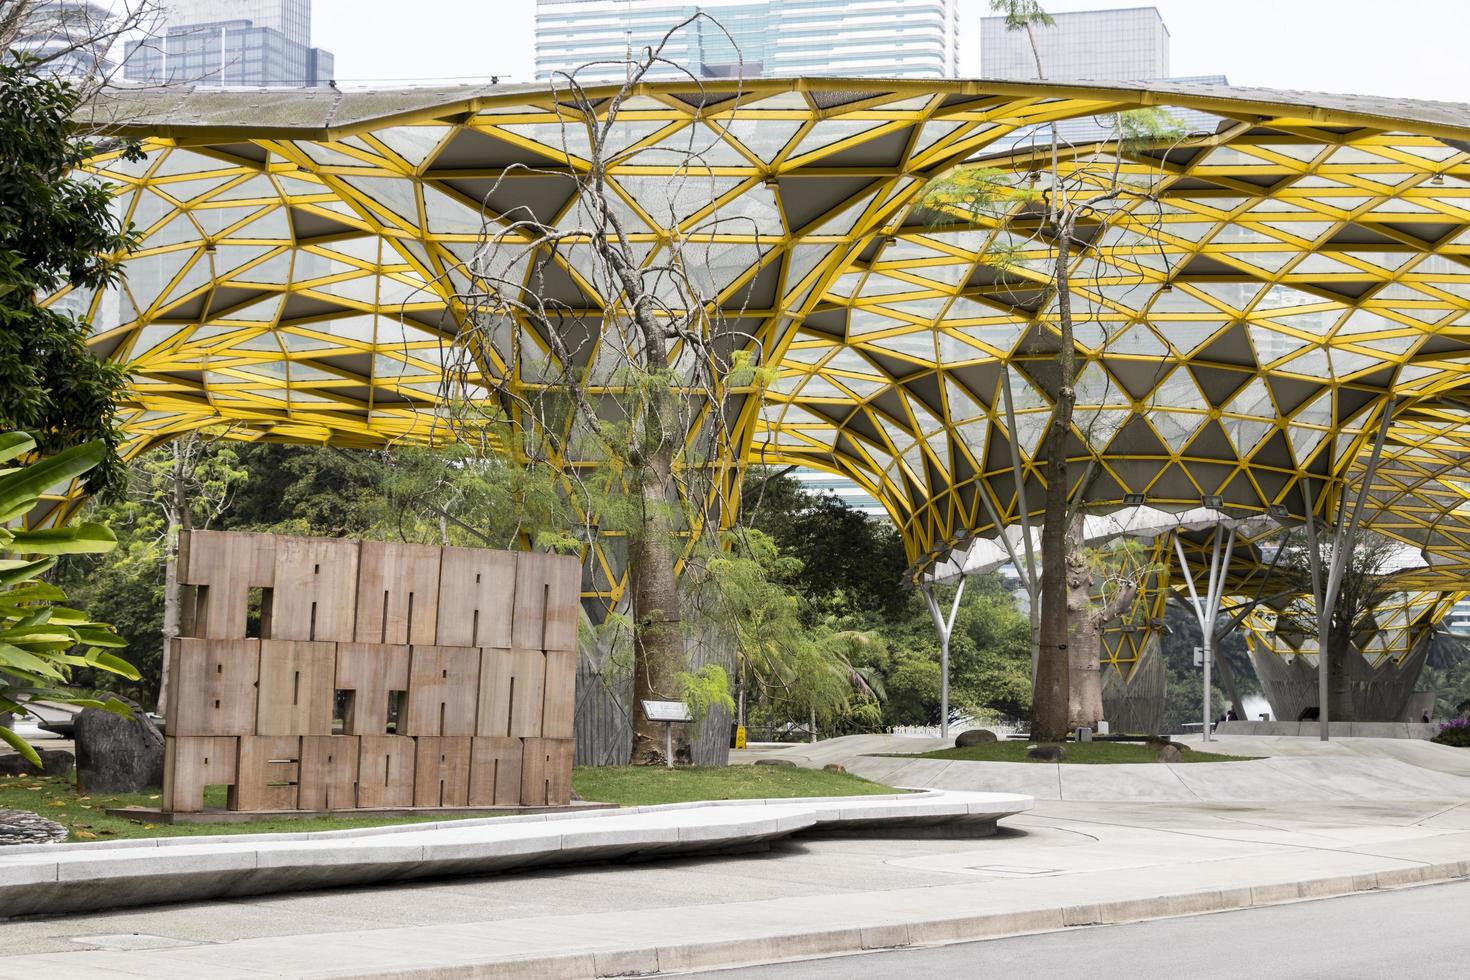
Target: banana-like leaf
[[14, 658], [20, 490], [22, 746], [31, 592], [20, 571], [112, 663], [79, 539], [14, 445], [99, 636], [68, 616]]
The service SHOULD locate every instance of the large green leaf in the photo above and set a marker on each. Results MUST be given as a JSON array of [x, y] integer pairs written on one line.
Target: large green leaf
[[12, 573], [13, 658], [99, 636], [20, 490], [79, 539], [15, 444], [21, 745], [113, 664]]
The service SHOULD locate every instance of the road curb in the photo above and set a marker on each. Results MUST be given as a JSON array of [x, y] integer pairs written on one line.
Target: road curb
[[794, 946]]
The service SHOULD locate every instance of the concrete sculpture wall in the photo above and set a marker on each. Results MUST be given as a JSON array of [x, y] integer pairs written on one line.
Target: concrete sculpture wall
[[381, 675]]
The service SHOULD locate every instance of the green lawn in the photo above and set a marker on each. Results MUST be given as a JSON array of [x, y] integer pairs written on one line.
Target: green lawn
[[642, 786], [1081, 753], [86, 816]]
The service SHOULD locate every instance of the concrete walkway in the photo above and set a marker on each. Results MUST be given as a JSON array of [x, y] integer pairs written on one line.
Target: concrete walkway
[[1065, 864], [1069, 862], [49, 878], [1294, 769]]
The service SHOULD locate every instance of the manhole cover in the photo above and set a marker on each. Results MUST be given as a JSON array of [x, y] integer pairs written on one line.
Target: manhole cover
[[131, 940], [1013, 870]]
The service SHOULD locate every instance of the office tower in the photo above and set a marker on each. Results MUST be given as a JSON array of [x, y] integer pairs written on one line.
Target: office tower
[[254, 43], [1098, 45], [70, 38], [872, 38]]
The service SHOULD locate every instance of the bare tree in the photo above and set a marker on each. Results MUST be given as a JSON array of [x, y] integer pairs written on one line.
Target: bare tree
[[78, 39], [612, 350], [191, 483], [1063, 197]]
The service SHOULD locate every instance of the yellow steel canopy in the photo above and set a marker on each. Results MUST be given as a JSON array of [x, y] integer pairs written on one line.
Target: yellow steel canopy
[[1308, 267]]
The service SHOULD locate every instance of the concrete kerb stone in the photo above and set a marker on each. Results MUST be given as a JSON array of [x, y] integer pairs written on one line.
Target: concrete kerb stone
[[734, 953]]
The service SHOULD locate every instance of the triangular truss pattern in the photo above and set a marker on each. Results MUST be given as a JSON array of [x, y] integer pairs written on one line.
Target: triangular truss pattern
[[1302, 268]]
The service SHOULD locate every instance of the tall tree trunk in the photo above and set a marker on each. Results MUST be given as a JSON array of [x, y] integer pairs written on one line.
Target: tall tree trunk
[[1050, 698], [658, 640], [1226, 673], [1340, 705], [1084, 648], [179, 521], [1085, 703]]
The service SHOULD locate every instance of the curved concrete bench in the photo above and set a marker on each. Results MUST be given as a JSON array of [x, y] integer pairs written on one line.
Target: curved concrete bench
[[49, 878]]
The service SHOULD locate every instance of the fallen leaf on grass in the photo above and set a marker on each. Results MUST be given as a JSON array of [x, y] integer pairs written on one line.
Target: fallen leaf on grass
[[153, 797], [85, 834], [107, 833], [56, 803]]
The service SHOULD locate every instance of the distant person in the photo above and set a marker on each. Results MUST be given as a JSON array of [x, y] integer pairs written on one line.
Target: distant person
[[1424, 718], [1231, 715]]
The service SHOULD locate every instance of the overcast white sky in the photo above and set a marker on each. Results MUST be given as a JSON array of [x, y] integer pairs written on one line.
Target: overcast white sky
[[1411, 48]]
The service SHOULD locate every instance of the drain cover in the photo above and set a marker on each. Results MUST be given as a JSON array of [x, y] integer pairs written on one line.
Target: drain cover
[[123, 941], [1013, 870]]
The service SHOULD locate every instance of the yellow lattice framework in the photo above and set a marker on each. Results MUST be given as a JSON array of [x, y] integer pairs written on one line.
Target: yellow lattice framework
[[1309, 270]]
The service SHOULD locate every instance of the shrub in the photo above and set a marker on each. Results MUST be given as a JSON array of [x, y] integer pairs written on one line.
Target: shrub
[[1456, 732]]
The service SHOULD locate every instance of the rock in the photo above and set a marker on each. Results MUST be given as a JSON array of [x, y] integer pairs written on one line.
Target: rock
[[975, 736], [24, 827], [1169, 752], [775, 762], [54, 762], [1046, 753], [117, 754], [834, 767]]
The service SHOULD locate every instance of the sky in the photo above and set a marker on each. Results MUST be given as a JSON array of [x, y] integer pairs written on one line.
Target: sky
[[1407, 48]]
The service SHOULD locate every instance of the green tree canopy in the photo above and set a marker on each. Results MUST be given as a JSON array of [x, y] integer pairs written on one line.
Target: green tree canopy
[[56, 229]]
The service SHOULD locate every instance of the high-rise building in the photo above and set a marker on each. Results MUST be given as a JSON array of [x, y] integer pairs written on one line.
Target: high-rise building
[[1128, 45], [291, 18], [250, 43], [71, 38], [872, 38]]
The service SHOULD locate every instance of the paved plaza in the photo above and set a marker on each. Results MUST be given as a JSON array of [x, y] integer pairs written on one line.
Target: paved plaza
[[1066, 863]]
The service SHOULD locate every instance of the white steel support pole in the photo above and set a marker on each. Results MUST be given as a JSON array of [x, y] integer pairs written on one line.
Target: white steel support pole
[[1344, 543], [1024, 513], [1207, 608], [945, 628], [1324, 611]]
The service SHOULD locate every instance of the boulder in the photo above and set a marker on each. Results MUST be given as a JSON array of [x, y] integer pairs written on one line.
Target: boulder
[[975, 736], [1046, 753], [775, 762], [117, 754], [834, 767], [54, 762], [24, 827], [1169, 752]]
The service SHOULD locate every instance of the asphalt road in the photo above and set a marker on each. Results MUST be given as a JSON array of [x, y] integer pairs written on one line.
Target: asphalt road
[[1414, 932]]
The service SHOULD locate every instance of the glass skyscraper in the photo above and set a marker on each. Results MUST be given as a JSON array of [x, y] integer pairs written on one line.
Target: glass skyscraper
[[250, 43], [1130, 45], [71, 38], [872, 38]]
